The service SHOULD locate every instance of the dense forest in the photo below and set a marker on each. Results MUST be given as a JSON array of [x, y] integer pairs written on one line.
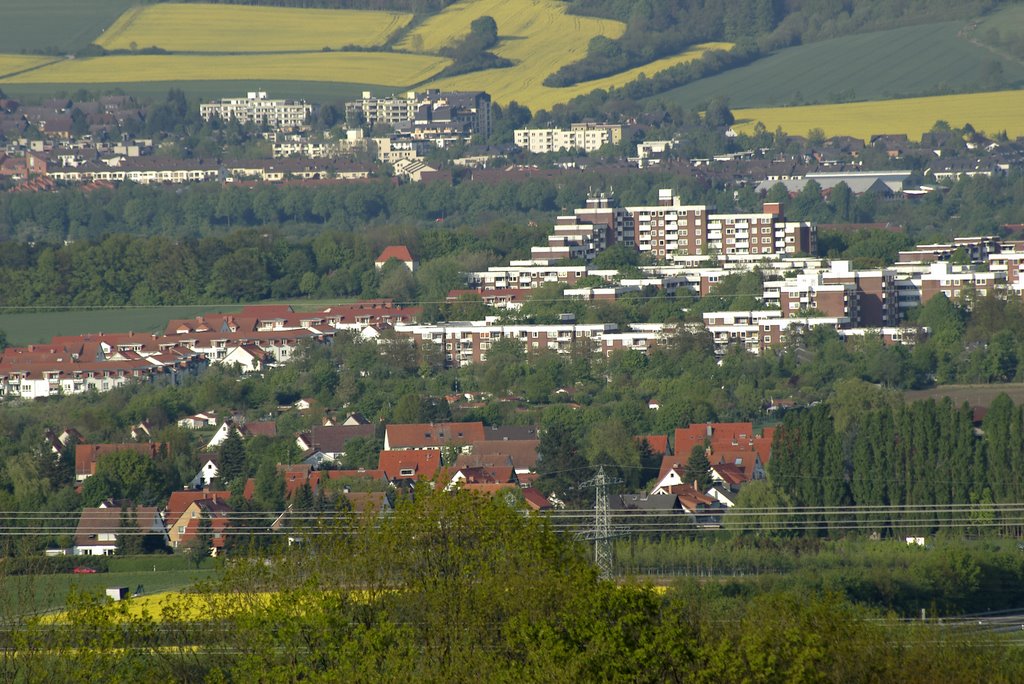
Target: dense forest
[[209, 243]]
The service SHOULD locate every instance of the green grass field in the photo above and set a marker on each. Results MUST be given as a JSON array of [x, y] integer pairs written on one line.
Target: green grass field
[[30, 594], [63, 24], [1005, 22], [40, 326], [987, 112], [900, 62], [975, 395], [233, 28]]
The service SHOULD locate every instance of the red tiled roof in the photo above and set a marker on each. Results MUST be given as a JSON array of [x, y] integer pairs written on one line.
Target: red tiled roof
[[730, 442], [179, 501], [487, 474], [216, 511], [424, 463], [658, 443], [437, 435], [732, 474], [536, 500], [400, 252]]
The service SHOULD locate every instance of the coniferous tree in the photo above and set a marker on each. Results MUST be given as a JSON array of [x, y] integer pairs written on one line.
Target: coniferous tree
[[698, 468], [129, 540], [200, 545], [269, 487], [835, 484], [232, 458], [302, 500]]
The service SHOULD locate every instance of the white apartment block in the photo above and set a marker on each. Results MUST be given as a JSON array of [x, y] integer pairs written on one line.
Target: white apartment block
[[959, 282], [257, 108], [467, 342], [391, 150], [588, 137], [675, 233], [388, 111], [430, 115]]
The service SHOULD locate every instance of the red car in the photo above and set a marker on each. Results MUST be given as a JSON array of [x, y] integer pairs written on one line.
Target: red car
[[83, 571]]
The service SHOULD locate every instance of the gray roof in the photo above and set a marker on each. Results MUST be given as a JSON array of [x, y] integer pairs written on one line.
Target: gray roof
[[858, 181]]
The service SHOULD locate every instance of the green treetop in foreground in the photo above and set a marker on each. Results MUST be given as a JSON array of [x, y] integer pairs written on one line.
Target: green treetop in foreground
[[457, 587]]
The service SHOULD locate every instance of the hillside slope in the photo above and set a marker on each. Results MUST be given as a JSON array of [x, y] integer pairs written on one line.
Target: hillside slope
[[917, 60]]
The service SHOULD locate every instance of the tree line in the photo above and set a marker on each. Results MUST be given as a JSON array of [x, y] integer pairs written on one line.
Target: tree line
[[459, 587], [659, 28], [868, 448]]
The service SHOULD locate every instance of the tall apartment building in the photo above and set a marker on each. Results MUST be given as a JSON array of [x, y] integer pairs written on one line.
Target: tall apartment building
[[390, 150], [958, 282], [427, 114], [588, 137], [258, 109], [876, 290], [868, 298], [671, 231], [389, 111]]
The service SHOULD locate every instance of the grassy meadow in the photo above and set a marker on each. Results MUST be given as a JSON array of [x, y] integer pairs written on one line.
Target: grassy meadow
[[1006, 22], [66, 25], [537, 35], [988, 112], [388, 69], [901, 62], [23, 594], [234, 28], [40, 327], [975, 395], [37, 327]]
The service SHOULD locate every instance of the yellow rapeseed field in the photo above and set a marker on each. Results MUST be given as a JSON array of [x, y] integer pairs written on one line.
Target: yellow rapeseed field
[[988, 112], [382, 68], [10, 64], [536, 34], [234, 28], [524, 86]]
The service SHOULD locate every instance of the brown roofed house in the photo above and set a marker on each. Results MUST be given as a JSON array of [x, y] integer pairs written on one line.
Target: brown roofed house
[[410, 464], [433, 435], [98, 528]]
